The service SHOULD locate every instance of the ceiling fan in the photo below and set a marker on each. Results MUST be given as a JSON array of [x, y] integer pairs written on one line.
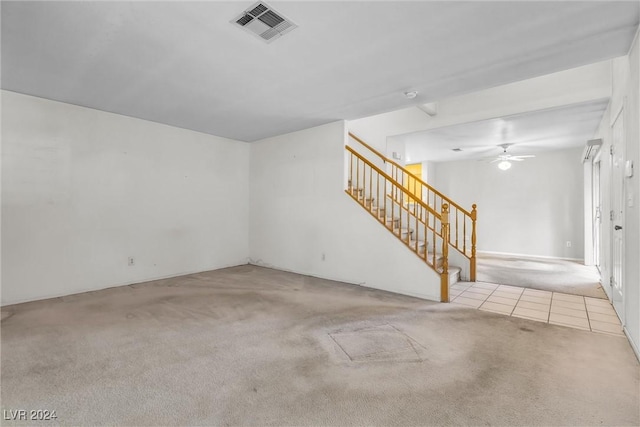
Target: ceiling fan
[[505, 158]]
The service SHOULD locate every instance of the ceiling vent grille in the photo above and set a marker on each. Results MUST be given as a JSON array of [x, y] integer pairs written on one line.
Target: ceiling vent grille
[[263, 21]]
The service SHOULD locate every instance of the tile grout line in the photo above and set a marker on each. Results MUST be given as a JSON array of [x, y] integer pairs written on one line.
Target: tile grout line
[[514, 307], [548, 313], [516, 304], [485, 300], [461, 294], [568, 315], [584, 301]]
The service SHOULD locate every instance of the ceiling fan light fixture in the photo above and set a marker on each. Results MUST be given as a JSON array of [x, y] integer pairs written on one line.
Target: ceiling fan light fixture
[[504, 165]]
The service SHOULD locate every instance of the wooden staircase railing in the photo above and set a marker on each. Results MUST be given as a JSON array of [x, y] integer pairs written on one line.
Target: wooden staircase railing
[[416, 224], [461, 230]]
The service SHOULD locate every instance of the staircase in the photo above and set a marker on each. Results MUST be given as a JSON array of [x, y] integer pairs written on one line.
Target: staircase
[[422, 218]]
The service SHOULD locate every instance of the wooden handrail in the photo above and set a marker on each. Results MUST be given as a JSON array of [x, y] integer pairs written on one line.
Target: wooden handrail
[[370, 148], [402, 168], [391, 180], [452, 207], [410, 209], [419, 215]]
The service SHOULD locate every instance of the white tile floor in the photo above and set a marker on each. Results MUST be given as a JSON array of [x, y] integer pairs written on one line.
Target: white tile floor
[[574, 311]]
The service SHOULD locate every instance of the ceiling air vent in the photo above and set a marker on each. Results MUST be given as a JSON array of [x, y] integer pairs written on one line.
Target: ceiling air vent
[[261, 20]]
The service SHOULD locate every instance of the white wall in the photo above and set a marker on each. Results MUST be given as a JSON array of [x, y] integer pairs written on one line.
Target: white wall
[[626, 92], [632, 192], [301, 219], [82, 190], [534, 208], [374, 130]]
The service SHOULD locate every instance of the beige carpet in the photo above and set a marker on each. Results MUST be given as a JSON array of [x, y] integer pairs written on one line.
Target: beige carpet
[[555, 275], [253, 346]]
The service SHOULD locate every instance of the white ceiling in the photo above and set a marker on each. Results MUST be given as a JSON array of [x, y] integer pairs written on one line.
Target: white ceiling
[[530, 133], [185, 64]]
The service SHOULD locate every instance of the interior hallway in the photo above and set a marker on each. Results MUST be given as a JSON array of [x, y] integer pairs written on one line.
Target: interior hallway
[[249, 345], [545, 274]]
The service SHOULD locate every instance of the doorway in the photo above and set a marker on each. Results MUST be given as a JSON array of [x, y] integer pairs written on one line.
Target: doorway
[[411, 184], [617, 213], [597, 214]]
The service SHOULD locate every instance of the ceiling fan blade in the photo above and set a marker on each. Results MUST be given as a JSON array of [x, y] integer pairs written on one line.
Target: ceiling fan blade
[[516, 159], [526, 156]]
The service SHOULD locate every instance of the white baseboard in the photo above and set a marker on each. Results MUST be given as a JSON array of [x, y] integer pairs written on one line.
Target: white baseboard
[[116, 285], [634, 346], [260, 263], [530, 256]]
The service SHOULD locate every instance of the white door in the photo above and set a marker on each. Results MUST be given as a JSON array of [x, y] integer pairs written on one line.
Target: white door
[[597, 214], [617, 214]]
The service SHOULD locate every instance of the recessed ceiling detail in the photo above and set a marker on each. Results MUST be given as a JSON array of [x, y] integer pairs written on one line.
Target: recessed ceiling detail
[[263, 21], [528, 133]]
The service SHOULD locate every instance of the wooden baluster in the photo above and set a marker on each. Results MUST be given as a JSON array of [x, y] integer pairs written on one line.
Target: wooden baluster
[[364, 184], [433, 243], [370, 188], [474, 216], [386, 183], [350, 183], [395, 178], [456, 213], [464, 236], [400, 222], [426, 246], [444, 275], [378, 193], [417, 228], [357, 191], [394, 191]]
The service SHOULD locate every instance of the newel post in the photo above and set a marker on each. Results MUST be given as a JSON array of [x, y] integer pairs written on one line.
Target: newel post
[[474, 215], [444, 275]]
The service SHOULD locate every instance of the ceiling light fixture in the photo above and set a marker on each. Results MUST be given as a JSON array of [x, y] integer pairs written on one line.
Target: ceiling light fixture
[[504, 165], [411, 95]]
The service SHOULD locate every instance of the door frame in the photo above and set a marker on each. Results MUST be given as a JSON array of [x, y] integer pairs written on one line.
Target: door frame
[[617, 186], [596, 195]]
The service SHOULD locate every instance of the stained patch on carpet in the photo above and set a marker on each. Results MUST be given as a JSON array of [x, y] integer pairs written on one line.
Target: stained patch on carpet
[[379, 343]]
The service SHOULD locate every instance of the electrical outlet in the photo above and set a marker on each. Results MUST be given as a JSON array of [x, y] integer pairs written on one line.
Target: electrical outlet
[[131, 261], [568, 243]]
